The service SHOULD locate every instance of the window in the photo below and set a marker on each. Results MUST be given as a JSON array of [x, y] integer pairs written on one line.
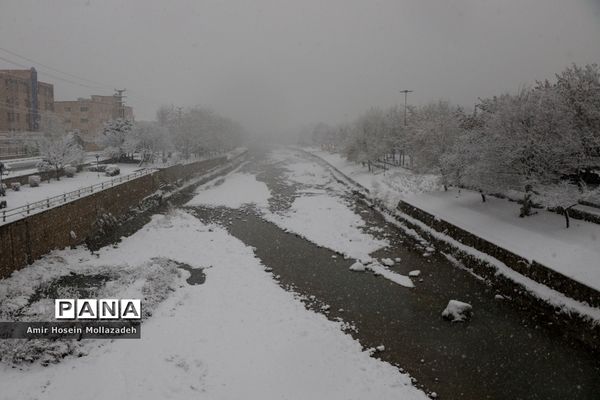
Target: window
[[83, 109], [84, 120], [67, 108]]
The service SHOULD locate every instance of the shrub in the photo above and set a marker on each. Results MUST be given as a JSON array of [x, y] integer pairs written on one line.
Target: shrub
[[70, 171], [34, 180]]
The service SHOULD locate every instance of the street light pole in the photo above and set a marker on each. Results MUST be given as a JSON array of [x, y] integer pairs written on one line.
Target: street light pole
[[2, 193], [406, 92]]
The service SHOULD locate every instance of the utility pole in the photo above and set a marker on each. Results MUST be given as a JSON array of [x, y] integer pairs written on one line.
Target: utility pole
[[119, 96], [406, 92]]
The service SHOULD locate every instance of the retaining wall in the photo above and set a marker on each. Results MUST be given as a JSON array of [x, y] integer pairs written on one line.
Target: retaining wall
[[28, 239], [533, 270]]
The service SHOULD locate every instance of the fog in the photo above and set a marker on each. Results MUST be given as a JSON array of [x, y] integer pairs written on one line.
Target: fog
[[277, 65]]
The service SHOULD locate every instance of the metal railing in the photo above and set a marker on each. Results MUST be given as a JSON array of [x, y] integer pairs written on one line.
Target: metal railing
[[31, 208]]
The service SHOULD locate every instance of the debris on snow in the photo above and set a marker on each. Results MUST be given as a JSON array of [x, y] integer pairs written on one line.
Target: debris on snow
[[457, 311]]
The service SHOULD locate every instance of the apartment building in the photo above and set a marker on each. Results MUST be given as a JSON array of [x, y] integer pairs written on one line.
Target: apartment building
[[23, 99], [88, 115]]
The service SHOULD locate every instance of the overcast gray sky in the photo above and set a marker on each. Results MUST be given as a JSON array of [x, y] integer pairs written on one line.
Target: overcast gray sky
[[275, 65]]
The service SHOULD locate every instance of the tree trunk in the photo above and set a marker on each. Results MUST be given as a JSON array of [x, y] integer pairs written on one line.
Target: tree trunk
[[526, 207], [445, 188], [482, 196], [567, 218]]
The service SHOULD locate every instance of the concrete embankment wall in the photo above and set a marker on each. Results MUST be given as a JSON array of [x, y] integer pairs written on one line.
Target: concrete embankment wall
[[533, 270], [26, 240]]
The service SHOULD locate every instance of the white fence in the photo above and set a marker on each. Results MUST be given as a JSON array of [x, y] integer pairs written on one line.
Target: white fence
[[32, 208]]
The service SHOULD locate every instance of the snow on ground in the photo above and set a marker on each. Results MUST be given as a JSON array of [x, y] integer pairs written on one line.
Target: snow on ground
[[233, 191], [239, 335], [299, 170], [574, 252], [390, 185], [543, 292], [395, 277], [82, 179], [327, 221]]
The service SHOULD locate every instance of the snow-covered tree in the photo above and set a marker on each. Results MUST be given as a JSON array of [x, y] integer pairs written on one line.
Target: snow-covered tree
[[436, 127], [57, 148], [579, 88], [199, 130], [151, 138], [117, 139]]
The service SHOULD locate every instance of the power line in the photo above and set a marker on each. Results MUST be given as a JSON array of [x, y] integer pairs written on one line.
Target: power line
[[51, 68], [52, 75]]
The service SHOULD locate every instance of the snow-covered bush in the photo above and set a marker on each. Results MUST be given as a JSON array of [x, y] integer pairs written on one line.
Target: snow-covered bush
[[112, 170], [70, 171], [34, 180]]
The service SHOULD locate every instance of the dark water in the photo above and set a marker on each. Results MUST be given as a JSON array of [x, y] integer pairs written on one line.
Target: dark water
[[502, 353], [197, 275]]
